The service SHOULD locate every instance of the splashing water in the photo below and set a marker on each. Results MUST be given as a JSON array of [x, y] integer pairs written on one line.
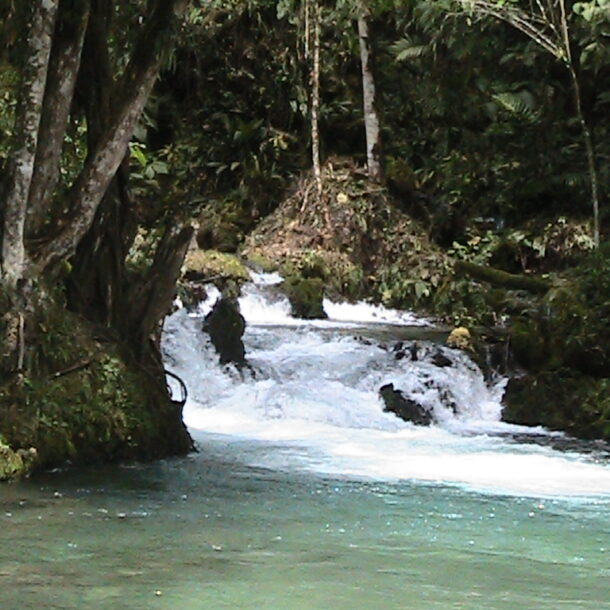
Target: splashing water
[[312, 403]]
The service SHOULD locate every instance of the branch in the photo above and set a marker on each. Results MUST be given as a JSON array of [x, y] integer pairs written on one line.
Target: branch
[[500, 278], [89, 188], [151, 300], [38, 50], [63, 70]]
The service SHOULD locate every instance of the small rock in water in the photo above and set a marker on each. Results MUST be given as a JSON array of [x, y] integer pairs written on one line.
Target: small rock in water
[[405, 408], [158, 593], [441, 360]]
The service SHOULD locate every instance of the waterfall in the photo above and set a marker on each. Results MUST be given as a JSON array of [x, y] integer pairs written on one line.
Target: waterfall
[[311, 400]]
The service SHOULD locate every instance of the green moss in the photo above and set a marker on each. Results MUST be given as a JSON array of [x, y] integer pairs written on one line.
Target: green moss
[[261, 262], [305, 296], [210, 264], [561, 400], [14, 464], [83, 401]]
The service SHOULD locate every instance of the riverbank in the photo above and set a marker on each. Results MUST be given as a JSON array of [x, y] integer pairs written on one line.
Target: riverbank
[[83, 400]]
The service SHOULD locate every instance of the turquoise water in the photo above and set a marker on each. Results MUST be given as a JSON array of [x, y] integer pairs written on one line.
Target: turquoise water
[[209, 531]]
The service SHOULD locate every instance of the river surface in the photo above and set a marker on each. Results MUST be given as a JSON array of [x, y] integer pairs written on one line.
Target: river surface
[[305, 494]]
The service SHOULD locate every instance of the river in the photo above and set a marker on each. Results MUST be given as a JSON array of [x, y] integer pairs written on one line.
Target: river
[[305, 494]]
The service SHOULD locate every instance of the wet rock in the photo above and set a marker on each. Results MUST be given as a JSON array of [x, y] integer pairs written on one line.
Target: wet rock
[[405, 408], [226, 326], [439, 359], [404, 350]]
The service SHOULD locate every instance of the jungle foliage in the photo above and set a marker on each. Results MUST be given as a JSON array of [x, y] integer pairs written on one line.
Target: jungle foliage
[[208, 116]]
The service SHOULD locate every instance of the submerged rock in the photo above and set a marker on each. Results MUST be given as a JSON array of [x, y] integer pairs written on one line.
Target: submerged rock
[[226, 326], [405, 408]]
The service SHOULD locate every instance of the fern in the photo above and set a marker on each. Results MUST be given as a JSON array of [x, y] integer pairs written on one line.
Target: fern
[[519, 105], [405, 49]]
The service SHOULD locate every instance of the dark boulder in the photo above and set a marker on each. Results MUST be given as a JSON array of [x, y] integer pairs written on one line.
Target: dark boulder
[[405, 408], [439, 359], [560, 400], [226, 326]]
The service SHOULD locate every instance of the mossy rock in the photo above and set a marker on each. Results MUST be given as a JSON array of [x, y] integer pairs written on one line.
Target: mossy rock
[[306, 297], [211, 265], [341, 277], [262, 263], [15, 464], [84, 401], [560, 400]]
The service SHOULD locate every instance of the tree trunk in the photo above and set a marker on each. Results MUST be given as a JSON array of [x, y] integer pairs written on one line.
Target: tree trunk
[[63, 69], [102, 165], [96, 284], [371, 119], [502, 279], [38, 50], [315, 97], [590, 153]]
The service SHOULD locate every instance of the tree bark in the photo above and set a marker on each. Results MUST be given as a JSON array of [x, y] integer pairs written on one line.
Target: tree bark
[[103, 164], [38, 50], [63, 69], [371, 118]]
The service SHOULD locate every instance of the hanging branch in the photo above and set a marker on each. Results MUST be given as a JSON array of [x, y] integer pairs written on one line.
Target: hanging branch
[[546, 23]]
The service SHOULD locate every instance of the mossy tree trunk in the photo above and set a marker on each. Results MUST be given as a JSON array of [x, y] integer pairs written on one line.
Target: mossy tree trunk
[[90, 229]]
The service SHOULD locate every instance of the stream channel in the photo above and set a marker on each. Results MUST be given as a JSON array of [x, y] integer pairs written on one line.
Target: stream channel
[[306, 495]]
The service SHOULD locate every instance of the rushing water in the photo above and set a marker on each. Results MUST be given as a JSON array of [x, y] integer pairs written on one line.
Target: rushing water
[[305, 494]]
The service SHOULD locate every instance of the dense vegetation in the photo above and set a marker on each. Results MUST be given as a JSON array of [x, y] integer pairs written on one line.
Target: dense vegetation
[[145, 116]]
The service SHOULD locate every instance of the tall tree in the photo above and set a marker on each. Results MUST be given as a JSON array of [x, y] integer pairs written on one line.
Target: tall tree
[[371, 118], [315, 89], [83, 229], [37, 52]]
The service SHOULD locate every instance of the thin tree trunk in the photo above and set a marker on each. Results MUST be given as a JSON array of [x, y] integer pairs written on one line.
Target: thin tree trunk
[[103, 164], [315, 97], [38, 49], [371, 119], [307, 34], [63, 69], [590, 152], [151, 299], [586, 132]]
